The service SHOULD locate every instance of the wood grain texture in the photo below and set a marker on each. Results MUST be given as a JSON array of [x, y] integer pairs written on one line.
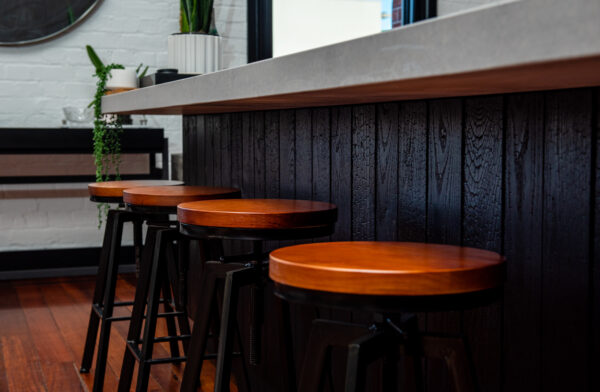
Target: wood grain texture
[[200, 141], [272, 162], [247, 156], [482, 226], [257, 213], [510, 173], [258, 138], [321, 170], [116, 188], [225, 144], [209, 149], [216, 156], [523, 246], [341, 173], [303, 144], [363, 172], [386, 268], [412, 171], [170, 196], [287, 154], [386, 203], [565, 285], [43, 331]]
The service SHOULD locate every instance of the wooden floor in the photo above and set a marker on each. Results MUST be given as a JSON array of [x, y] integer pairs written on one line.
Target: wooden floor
[[42, 331]]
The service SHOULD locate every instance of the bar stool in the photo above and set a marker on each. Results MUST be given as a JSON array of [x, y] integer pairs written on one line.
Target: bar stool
[[386, 278], [101, 314], [255, 220], [160, 268]]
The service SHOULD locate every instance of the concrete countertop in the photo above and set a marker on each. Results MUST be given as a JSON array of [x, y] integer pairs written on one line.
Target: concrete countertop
[[522, 45]]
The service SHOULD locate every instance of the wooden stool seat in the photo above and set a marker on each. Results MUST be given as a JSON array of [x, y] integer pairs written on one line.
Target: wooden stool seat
[[171, 196], [387, 268], [114, 189], [257, 213]]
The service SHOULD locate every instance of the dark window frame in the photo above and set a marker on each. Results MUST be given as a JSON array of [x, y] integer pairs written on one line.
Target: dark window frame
[[416, 10], [260, 30]]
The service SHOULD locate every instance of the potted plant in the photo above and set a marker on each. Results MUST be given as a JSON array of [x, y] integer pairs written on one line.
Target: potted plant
[[108, 128], [197, 48]]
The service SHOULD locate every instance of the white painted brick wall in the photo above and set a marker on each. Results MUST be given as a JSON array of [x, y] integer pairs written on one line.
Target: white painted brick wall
[[37, 81]]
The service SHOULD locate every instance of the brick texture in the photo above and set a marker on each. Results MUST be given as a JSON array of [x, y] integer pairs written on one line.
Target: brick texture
[[37, 81]]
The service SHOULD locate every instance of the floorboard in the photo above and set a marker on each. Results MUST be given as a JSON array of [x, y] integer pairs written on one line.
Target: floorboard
[[42, 332]]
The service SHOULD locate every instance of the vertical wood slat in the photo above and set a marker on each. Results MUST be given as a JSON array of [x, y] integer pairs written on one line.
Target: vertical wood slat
[[303, 144], [209, 149], [321, 170], [386, 204], [363, 172], [247, 157], [200, 173], [565, 284], [341, 173], [523, 241], [272, 162], [287, 154], [444, 208], [236, 150], [546, 324], [217, 129], [226, 149], [412, 172], [258, 140], [482, 226]]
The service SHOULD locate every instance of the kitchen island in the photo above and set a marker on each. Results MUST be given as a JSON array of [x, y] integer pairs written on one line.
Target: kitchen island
[[478, 129]]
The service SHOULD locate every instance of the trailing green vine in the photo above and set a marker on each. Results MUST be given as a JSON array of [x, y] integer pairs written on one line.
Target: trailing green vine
[[107, 131]]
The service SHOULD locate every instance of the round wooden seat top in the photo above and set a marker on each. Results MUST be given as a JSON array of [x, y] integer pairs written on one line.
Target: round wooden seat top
[[171, 196], [387, 268], [257, 213], [114, 189]]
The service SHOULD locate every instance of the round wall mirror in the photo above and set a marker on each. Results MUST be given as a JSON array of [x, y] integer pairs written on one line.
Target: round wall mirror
[[26, 22]]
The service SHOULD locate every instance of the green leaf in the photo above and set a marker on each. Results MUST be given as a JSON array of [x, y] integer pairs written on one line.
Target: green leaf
[[144, 72], [207, 11], [98, 64], [183, 21], [193, 15]]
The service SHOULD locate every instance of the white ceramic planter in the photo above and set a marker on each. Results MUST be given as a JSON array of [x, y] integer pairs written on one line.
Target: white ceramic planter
[[195, 53], [122, 79]]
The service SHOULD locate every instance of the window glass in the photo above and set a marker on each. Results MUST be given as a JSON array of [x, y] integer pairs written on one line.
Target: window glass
[[307, 24]]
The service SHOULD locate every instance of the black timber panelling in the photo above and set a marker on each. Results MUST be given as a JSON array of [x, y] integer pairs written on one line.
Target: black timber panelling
[[515, 173]]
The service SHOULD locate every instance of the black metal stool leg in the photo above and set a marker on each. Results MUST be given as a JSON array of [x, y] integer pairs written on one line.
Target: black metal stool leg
[[168, 307], [324, 334], [361, 352], [137, 314], [108, 301], [94, 323], [197, 346], [233, 282], [175, 273], [156, 283], [137, 244]]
